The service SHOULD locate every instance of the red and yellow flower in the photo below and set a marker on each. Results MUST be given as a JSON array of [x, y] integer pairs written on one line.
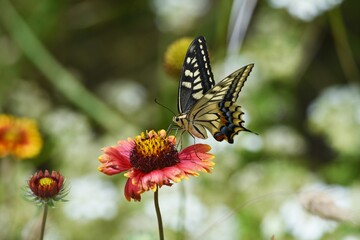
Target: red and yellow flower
[[19, 137], [44, 188], [151, 160]]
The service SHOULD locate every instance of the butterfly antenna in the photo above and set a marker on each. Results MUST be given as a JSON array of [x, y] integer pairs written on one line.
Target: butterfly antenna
[[162, 105]]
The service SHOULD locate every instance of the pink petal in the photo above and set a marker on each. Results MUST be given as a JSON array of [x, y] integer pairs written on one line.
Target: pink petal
[[125, 147], [197, 152], [113, 161], [131, 191], [147, 181], [196, 158], [175, 173]]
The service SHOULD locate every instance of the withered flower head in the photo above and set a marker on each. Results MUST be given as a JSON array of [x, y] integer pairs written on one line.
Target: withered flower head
[[44, 188], [174, 56]]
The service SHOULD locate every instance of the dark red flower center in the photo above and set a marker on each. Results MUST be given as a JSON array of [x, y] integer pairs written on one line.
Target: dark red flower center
[[153, 152]]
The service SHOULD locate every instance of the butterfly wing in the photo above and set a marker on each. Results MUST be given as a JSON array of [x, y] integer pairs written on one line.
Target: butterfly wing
[[196, 77], [217, 111]]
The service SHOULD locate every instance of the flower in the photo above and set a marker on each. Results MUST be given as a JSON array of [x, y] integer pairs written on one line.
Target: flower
[[19, 137], [152, 160], [335, 114], [283, 140], [305, 10], [44, 188], [175, 55]]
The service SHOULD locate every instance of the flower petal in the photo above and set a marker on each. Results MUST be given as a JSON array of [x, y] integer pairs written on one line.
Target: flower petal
[[114, 160], [151, 180], [126, 147], [132, 191], [196, 152], [196, 158]]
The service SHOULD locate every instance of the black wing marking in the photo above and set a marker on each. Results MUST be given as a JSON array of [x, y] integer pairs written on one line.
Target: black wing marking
[[196, 77]]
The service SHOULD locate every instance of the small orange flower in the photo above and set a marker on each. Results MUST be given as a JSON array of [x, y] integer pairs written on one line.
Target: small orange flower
[[152, 160], [175, 55], [45, 188], [19, 137]]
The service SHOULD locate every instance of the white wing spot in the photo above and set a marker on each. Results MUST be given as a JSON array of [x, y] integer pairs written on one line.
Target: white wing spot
[[196, 73], [202, 52], [197, 80], [197, 86], [204, 58], [197, 95], [188, 60], [186, 84], [188, 73]]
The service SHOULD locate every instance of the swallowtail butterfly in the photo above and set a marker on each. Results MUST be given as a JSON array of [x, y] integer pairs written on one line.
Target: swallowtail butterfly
[[202, 104]]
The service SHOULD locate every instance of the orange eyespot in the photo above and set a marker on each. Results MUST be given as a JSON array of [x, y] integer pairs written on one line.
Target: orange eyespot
[[219, 136]]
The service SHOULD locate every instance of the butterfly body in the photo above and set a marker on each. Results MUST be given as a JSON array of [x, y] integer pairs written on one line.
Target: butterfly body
[[202, 104]]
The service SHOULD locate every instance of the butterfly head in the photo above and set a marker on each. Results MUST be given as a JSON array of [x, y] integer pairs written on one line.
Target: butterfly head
[[180, 120]]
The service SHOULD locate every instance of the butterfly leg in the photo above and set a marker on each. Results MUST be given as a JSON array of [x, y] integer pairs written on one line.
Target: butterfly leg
[[169, 129]]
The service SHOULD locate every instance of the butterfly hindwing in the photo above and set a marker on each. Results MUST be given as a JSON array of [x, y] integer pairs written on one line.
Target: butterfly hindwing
[[217, 110], [196, 77]]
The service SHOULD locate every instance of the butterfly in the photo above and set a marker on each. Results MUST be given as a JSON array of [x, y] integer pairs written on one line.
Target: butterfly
[[202, 104]]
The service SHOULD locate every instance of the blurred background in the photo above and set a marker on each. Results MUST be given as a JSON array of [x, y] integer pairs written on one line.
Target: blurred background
[[88, 72]]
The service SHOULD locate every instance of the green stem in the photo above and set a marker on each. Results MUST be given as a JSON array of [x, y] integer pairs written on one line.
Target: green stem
[[158, 214], [64, 82], [342, 46], [44, 222]]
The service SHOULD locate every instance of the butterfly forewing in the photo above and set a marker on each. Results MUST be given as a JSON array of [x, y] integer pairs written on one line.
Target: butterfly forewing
[[196, 77]]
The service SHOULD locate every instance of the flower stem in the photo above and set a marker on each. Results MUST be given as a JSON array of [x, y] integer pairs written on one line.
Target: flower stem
[[342, 45], [44, 222], [158, 214]]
